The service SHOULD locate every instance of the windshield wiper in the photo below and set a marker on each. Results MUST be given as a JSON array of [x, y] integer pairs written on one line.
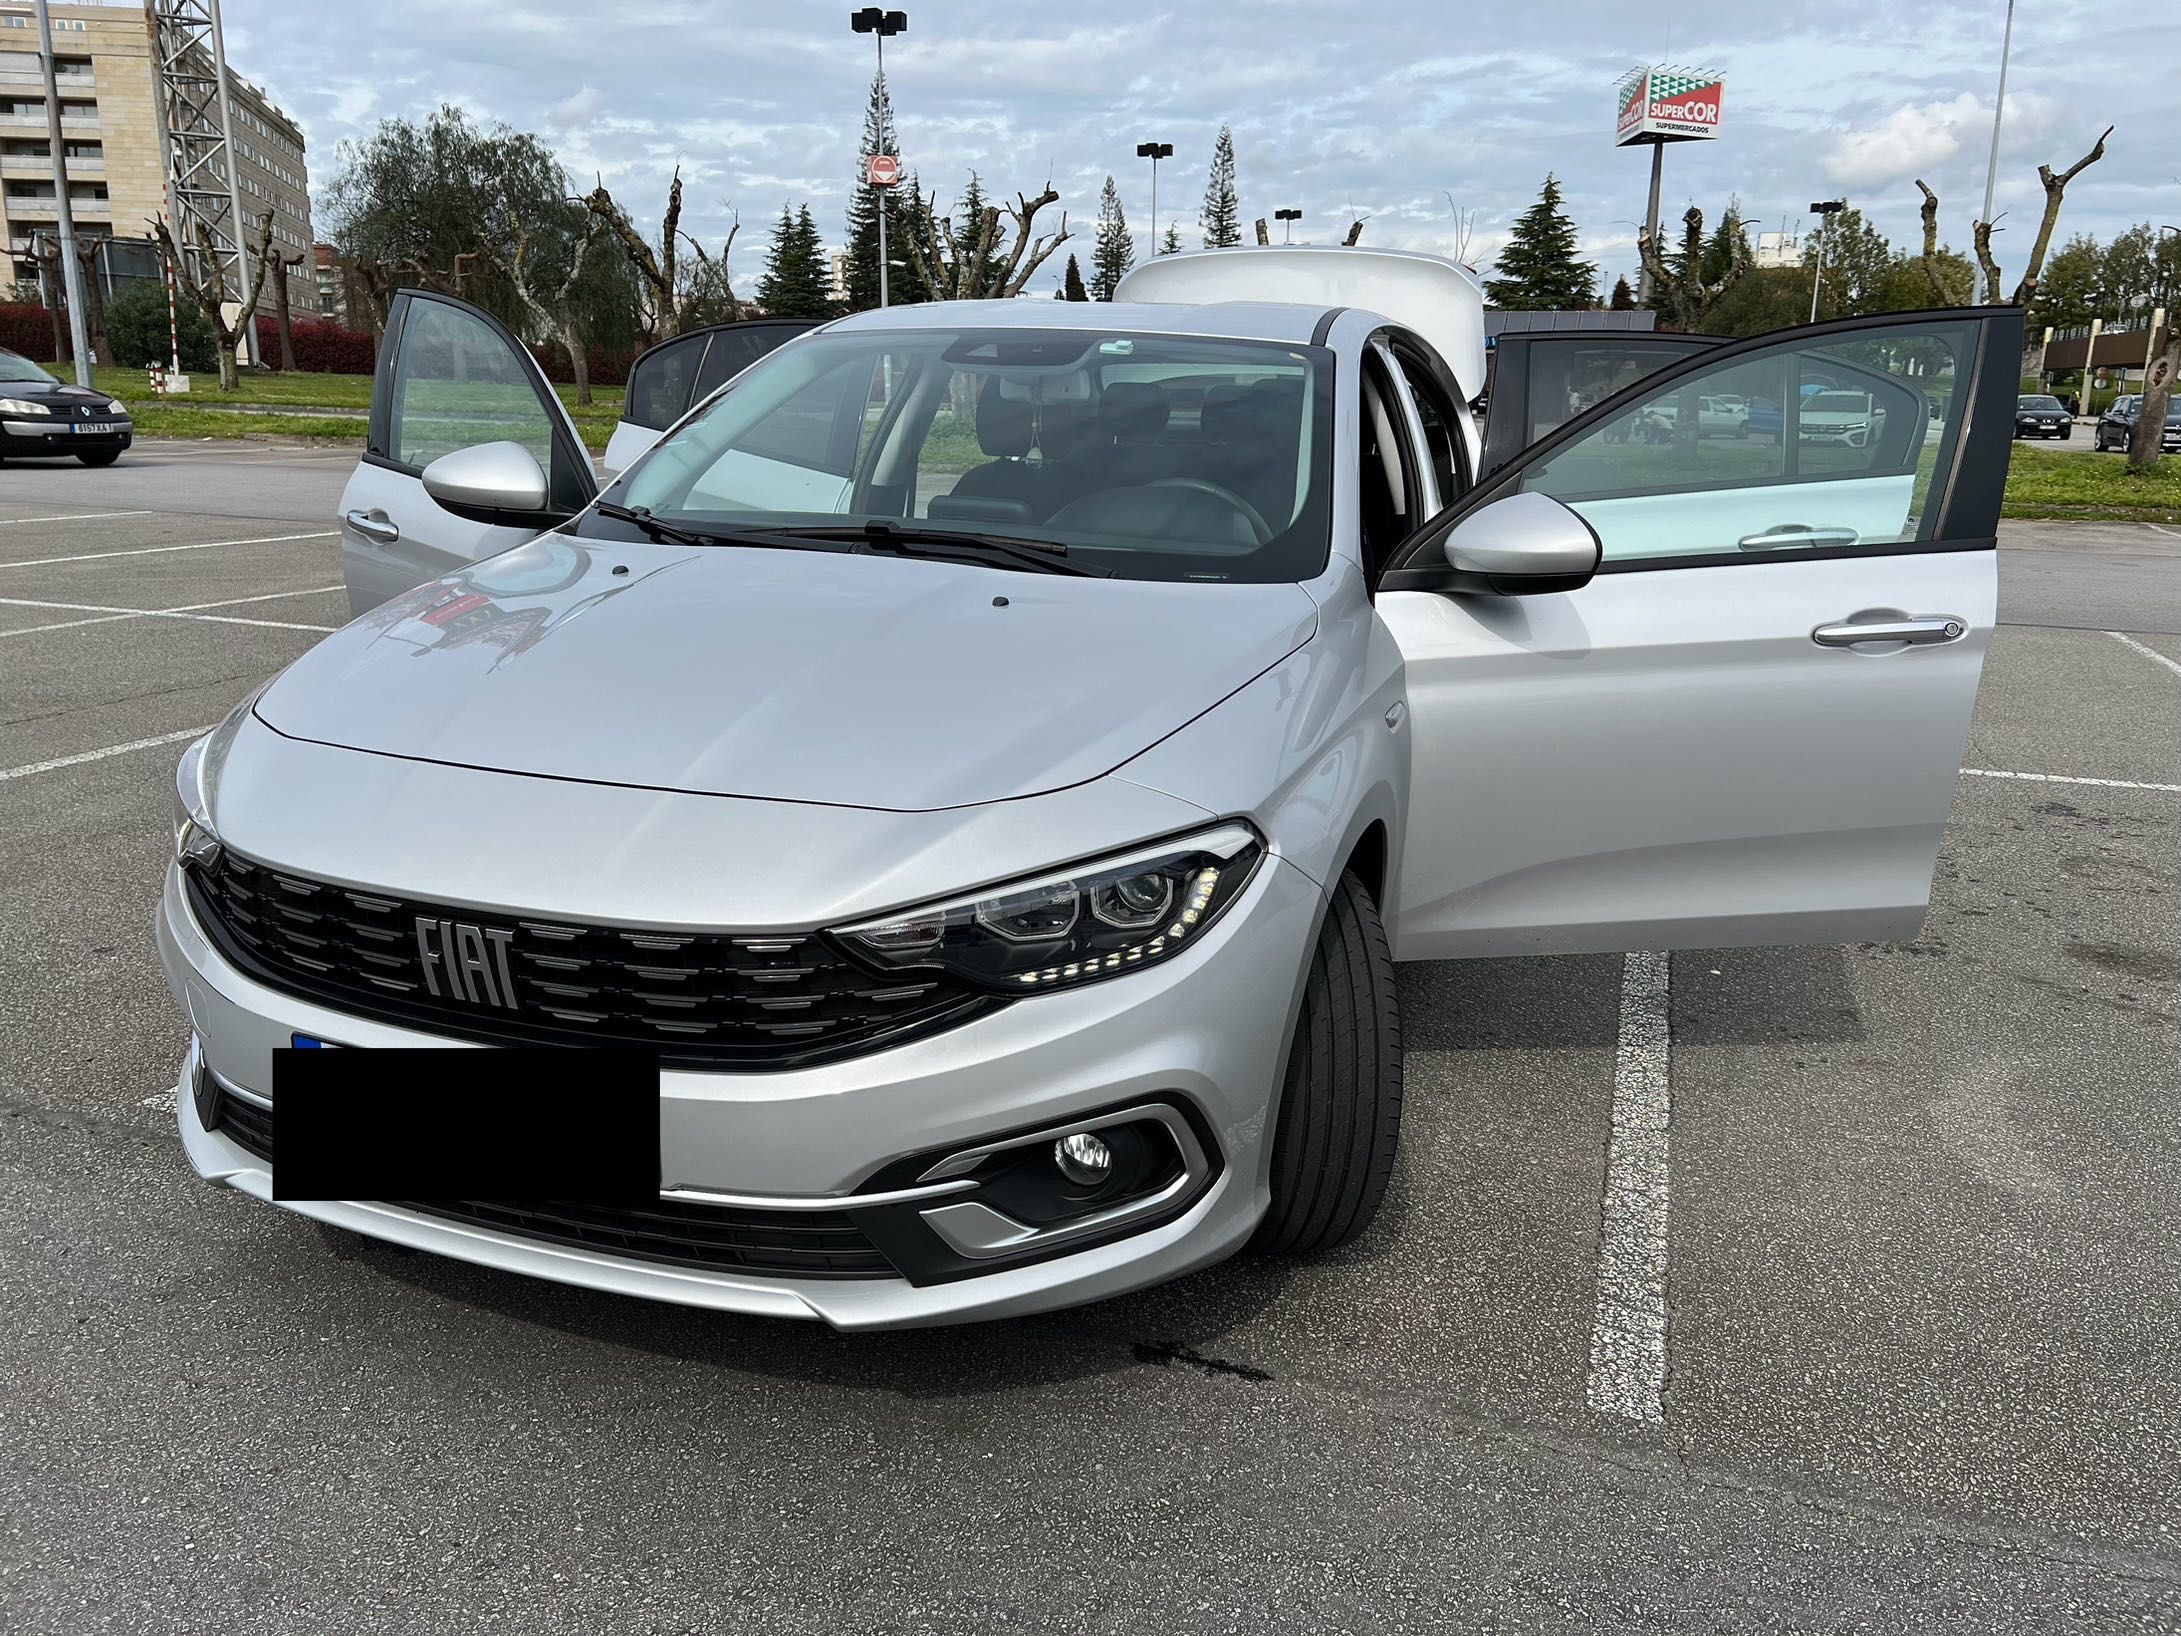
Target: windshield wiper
[[640, 517], [945, 544]]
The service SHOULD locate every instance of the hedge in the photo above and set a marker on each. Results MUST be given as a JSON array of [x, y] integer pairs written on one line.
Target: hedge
[[320, 348], [28, 329]]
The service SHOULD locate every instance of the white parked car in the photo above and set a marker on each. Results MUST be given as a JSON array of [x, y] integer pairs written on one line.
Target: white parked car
[[989, 756], [1849, 418]]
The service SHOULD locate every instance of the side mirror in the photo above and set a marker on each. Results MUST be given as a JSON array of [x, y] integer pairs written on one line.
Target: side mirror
[[489, 483], [1522, 545]]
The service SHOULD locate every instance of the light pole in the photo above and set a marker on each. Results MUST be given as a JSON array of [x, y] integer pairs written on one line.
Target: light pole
[[1991, 165], [1825, 210], [871, 20], [1154, 151], [71, 269], [1288, 218]]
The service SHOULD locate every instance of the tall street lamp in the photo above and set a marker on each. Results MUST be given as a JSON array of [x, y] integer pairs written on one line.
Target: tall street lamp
[[871, 20], [1991, 165], [1825, 210], [1154, 151], [1289, 217]]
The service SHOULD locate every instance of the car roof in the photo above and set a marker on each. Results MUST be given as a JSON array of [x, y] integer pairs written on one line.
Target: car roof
[[1292, 323]]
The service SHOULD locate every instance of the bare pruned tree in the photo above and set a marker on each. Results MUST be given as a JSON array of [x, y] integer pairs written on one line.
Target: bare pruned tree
[[1686, 293], [971, 268], [654, 267], [709, 290], [2025, 292], [205, 283]]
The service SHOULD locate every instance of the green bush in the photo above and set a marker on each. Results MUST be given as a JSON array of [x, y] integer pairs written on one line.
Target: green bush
[[136, 327]]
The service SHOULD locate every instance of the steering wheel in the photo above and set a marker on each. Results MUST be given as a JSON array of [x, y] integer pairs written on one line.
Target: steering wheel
[[1219, 491]]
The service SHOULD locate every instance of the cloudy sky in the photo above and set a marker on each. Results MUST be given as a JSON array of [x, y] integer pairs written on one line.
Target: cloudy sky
[[1383, 110]]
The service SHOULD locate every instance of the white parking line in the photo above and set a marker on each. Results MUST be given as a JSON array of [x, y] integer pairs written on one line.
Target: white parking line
[[2056, 778], [155, 550], [2149, 653], [7, 773], [107, 614], [71, 517], [1628, 1334]]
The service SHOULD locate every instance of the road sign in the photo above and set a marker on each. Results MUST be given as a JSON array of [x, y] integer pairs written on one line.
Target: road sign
[[883, 170]]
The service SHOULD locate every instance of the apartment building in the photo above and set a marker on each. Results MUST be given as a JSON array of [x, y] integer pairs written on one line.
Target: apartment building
[[102, 61]]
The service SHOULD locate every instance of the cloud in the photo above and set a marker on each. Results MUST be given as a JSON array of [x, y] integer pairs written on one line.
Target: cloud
[[578, 110], [1907, 141]]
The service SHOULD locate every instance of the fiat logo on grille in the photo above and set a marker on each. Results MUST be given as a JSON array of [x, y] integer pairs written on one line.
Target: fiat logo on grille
[[466, 962]]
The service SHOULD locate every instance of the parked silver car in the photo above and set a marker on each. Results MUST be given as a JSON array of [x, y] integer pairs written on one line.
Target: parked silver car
[[994, 753]]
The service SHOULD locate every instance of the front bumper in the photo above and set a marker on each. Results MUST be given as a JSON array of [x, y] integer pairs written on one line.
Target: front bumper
[[1209, 1029], [58, 436]]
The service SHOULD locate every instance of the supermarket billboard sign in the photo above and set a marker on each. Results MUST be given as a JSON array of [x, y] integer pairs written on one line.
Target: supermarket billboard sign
[[1668, 105]]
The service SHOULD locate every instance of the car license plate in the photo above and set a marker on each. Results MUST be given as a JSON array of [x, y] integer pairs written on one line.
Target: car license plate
[[311, 1042], [83, 426]]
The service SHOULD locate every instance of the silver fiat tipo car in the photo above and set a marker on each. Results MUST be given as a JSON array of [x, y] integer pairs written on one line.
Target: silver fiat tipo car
[[994, 753]]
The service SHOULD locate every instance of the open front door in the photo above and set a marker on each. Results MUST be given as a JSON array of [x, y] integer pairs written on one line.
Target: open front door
[[450, 377], [1747, 727]]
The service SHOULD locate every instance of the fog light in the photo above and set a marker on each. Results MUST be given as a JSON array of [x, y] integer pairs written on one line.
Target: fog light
[[1083, 1158]]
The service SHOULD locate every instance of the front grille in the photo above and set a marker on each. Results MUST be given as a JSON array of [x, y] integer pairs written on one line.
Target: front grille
[[791, 1243], [788, 1243], [701, 999]]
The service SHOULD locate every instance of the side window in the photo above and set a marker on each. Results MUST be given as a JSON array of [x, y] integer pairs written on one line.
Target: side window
[[1816, 444], [1436, 410], [458, 383], [661, 384], [734, 350], [1568, 376]]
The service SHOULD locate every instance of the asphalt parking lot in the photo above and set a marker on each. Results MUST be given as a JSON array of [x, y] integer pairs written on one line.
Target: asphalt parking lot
[[1911, 1358]]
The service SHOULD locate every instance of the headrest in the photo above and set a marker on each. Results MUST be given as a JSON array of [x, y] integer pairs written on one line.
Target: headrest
[[1132, 410], [1003, 423], [1225, 409], [1064, 430]]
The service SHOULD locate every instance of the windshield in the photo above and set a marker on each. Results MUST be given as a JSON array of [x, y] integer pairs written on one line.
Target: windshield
[[1837, 403], [2038, 403], [15, 367], [1147, 456]]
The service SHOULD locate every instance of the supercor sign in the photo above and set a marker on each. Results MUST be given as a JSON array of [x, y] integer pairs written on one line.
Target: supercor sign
[[1669, 105]]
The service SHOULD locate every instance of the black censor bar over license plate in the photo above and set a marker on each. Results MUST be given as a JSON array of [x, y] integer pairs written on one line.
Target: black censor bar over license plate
[[579, 1125]]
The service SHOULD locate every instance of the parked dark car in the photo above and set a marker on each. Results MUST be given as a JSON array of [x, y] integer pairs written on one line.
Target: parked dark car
[[2038, 414], [40, 415], [2118, 424]]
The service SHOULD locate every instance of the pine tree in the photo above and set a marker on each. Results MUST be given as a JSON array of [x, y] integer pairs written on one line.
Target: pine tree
[[1539, 270], [1624, 299], [1221, 217], [796, 282], [989, 266], [1115, 249], [864, 204], [1171, 244], [1071, 285], [1719, 248]]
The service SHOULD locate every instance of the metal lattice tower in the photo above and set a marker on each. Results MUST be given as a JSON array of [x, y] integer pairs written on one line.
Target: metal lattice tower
[[196, 119]]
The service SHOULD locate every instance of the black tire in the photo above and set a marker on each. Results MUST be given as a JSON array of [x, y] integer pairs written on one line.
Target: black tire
[[105, 459], [1340, 1099]]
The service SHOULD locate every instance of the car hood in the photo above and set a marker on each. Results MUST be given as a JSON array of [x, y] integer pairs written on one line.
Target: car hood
[[819, 676], [56, 393]]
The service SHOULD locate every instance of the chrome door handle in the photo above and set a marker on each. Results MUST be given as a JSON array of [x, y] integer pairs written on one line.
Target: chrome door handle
[[1916, 632], [1799, 536], [373, 526]]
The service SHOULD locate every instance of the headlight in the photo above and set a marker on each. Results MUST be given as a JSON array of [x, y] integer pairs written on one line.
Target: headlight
[[195, 841], [1072, 926], [114, 406], [23, 406]]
